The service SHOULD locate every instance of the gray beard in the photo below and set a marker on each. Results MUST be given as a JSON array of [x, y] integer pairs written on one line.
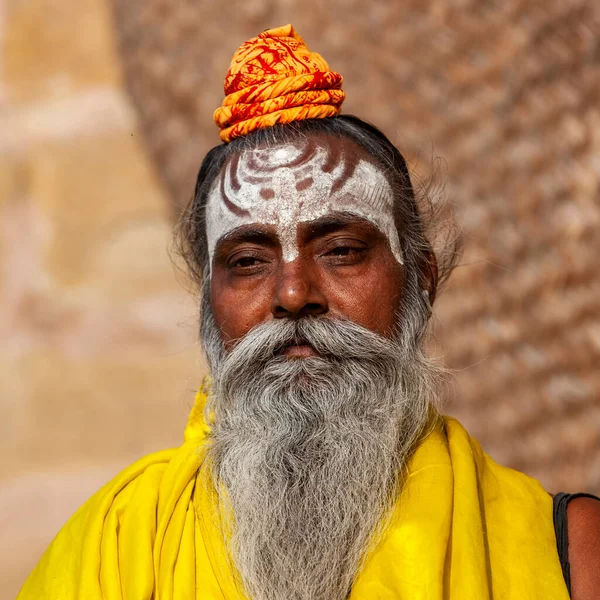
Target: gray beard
[[308, 455]]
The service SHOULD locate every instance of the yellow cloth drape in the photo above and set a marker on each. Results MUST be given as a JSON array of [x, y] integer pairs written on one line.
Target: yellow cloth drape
[[464, 528]]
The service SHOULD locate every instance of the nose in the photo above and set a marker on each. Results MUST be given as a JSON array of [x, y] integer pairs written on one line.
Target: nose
[[297, 292]]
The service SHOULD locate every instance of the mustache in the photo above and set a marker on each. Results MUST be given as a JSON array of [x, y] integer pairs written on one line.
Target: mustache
[[332, 338]]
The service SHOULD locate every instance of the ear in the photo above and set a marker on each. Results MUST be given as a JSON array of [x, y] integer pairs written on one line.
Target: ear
[[429, 273]]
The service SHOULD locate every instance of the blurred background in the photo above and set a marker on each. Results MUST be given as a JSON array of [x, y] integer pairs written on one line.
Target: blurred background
[[105, 114]]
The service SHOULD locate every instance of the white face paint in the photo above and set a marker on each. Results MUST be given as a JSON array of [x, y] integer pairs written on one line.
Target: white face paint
[[294, 183]]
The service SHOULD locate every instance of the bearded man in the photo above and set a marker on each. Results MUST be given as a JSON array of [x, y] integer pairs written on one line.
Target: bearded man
[[316, 464]]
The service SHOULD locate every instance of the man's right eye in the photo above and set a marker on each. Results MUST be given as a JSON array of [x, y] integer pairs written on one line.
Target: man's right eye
[[246, 262]]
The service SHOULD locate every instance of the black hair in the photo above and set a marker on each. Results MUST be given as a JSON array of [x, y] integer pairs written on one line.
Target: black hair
[[414, 217]]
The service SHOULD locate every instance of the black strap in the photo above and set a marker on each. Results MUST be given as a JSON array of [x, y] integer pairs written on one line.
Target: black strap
[[561, 500]]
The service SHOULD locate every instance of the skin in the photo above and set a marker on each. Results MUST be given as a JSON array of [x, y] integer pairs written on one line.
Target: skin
[[344, 268], [583, 522]]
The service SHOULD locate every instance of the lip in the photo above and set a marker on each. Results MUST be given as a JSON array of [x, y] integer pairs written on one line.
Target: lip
[[299, 351]]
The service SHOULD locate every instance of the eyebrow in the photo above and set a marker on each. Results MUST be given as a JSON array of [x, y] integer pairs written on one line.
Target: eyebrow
[[247, 233], [318, 228], [334, 222]]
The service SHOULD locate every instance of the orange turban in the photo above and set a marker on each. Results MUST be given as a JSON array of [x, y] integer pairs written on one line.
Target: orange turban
[[275, 78]]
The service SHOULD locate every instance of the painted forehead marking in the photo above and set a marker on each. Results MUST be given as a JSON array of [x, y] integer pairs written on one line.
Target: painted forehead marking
[[294, 183]]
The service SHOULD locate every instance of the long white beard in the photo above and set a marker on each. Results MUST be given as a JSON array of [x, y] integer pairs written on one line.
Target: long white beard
[[308, 454]]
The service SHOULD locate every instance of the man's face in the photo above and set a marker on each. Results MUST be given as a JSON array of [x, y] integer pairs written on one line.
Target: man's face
[[308, 455], [303, 229]]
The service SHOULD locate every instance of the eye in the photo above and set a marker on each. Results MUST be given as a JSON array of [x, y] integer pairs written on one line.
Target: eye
[[346, 252], [343, 251], [245, 261]]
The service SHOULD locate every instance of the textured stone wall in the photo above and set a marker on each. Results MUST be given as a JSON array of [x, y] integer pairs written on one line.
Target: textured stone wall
[[507, 93], [98, 359]]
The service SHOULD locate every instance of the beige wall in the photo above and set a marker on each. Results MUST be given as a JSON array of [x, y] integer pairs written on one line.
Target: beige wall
[[98, 359]]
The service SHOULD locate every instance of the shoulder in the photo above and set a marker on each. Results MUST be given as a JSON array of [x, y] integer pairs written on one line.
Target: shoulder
[[583, 519]]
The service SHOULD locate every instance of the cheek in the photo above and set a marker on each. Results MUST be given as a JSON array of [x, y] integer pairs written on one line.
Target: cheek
[[372, 299], [386, 301], [237, 311]]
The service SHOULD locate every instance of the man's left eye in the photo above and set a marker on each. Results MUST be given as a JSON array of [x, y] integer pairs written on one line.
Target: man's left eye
[[351, 252], [342, 251]]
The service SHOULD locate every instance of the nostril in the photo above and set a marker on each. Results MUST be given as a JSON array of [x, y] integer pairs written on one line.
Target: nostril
[[280, 312], [313, 308], [307, 310]]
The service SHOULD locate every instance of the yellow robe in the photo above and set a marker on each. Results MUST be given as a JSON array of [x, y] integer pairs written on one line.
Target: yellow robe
[[463, 528]]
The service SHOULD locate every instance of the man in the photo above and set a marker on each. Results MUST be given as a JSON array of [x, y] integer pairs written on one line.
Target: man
[[315, 462]]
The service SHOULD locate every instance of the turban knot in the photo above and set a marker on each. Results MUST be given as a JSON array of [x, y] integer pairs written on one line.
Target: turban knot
[[274, 78]]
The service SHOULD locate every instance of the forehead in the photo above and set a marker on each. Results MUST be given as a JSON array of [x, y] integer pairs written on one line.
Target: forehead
[[309, 166], [297, 181], [334, 159]]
